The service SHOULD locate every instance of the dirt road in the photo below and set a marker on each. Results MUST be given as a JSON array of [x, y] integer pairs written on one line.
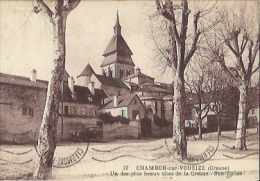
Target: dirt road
[[138, 160]]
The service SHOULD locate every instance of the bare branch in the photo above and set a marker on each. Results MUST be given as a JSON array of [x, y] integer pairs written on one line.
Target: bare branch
[[162, 10], [193, 48], [195, 39], [42, 5], [72, 4], [256, 69], [256, 48], [167, 12], [206, 113], [185, 19], [232, 49], [251, 56]]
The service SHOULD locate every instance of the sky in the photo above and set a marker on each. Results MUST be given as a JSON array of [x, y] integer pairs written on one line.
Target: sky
[[26, 37], [26, 41]]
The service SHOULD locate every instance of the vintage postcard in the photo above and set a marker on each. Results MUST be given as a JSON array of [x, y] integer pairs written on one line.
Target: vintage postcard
[[129, 90]]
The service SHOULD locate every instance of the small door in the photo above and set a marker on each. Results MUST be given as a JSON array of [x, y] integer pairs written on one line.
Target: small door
[[146, 127]]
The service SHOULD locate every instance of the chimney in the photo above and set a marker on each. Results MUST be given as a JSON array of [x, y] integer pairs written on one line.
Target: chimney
[[33, 75], [115, 100], [71, 84], [91, 88]]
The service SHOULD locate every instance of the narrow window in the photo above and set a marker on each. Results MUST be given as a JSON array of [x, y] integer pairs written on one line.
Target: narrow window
[[83, 111], [24, 111], [123, 113], [28, 111], [110, 73], [66, 110]]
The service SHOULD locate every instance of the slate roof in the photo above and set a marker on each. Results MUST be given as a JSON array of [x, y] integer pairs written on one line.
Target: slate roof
[[99, 95], [115, 57], [117, 43], [151, 87], [168, 87], [110, 81], [123, 101], [22, 81], [83, 94], [139, 74], [88, 71]]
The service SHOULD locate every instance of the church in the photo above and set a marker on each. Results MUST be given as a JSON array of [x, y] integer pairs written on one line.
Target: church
[[120, 78], [121, 90]]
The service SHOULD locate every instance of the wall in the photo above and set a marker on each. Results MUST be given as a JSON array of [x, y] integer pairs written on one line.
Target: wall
[[111, 91], [84, 80], [72, 124], [150, 103], [90, 107], [139, 79], [16, 127], [136, 107], [168, 109], [119, 130], [125, 68], [111, 67], [158, 131], [117, 111], [115, 67], [253, 117], [97, 84], [19, 128]]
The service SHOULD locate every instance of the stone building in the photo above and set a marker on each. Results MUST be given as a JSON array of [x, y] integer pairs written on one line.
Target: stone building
[[128, 106], [22, 103]]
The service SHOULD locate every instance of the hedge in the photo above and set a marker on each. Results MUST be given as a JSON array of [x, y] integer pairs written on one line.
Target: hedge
[[109, 119], [161, 122]]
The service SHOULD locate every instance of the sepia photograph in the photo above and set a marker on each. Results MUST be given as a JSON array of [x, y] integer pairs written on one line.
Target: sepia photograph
[[129, 90]]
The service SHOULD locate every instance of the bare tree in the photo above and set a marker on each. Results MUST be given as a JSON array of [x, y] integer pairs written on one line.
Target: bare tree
[[183, 42], [218, 88], [197, 82], [48, 130], [237, 37]]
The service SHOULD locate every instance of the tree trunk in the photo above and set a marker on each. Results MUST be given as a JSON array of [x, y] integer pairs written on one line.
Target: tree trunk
[[241, 123], [219, 124], [199, 127], [179, 137], [48, 130]]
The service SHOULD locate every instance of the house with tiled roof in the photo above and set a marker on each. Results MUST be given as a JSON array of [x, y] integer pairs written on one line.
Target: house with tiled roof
[[128, 106], [138, 77], [22, 101]]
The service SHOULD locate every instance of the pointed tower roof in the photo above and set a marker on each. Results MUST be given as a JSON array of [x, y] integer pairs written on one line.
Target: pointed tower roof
[[117, 44], [88, 71], [117, 27]]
